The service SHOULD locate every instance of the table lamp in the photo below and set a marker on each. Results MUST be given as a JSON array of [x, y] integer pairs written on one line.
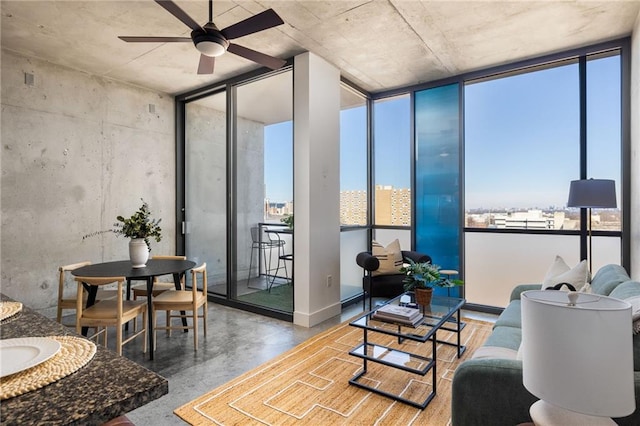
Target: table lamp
[[577, 357], [592, 193]]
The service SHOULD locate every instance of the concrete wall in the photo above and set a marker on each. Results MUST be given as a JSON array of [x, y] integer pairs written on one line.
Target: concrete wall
[[77, 150], [635, 150]]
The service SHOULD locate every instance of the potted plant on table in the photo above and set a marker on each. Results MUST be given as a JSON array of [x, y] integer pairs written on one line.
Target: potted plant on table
[[288, 220], [422, 277], [140, 227]]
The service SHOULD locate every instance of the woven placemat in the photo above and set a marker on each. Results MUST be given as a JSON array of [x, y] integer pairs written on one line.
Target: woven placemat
[[8, 309], [74, 353]]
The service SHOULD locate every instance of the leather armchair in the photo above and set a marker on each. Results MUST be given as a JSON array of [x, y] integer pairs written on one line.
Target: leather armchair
[[384, 285]]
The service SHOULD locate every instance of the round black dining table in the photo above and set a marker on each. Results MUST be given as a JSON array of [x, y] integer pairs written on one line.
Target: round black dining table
[[123, 268]]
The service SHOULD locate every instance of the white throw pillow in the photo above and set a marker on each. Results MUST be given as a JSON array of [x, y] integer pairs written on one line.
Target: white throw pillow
[[560, 272], [390, 257], [558, 267]]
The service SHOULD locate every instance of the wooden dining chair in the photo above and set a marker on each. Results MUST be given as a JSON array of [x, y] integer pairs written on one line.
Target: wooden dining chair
[[140, 290], [110, 313], [68, 302], [184, 300]]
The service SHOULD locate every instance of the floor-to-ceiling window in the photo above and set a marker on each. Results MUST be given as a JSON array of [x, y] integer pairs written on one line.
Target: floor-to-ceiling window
[[264, 191], [392, 170], [604, 134], [499, 163], [353, 188], [205, 225], [437, 176], [524, 134]]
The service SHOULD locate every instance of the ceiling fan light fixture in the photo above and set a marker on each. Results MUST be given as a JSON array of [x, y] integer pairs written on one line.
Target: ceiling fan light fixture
[[210, 48], [209, 42]]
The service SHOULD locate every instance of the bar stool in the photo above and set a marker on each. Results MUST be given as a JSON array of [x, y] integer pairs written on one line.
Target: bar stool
[[260, 241]]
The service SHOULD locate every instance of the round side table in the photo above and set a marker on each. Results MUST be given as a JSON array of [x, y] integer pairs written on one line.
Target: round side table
[[448, 273]]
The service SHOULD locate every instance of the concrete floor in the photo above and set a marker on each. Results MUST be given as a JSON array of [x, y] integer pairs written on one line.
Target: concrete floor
[[236, 342]]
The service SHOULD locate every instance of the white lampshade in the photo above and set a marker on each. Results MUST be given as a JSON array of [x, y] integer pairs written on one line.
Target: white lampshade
[[579, 358]]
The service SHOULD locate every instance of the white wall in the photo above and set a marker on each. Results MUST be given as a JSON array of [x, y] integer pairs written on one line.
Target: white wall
[[77, 150], [316, 156], [635, 148]]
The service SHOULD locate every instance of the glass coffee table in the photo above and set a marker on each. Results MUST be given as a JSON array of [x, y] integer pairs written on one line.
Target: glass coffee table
[[442, 314]]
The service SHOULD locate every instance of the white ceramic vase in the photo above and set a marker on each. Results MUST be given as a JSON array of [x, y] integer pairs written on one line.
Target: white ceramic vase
[[138, 252]]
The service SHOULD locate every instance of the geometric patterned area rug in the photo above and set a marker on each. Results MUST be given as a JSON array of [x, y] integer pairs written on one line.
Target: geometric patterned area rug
[[309, 384]]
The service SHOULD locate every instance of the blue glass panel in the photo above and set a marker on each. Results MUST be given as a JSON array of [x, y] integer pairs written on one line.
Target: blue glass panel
[[437, 175]]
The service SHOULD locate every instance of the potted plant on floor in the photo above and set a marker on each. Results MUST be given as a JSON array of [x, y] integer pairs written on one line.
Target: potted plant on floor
[[422, 277]]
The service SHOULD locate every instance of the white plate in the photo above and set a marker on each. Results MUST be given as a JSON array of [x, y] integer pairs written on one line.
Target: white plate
[[19, 354]]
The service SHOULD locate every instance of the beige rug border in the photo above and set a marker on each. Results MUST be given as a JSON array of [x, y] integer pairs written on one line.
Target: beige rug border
[[189, 409], [256, 370]]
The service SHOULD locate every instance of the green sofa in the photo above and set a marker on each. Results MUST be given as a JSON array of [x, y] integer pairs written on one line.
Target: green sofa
[[488, 389]]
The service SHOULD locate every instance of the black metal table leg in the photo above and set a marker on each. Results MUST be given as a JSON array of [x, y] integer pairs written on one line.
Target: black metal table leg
[[126, 326], [91, 300], [150, 323]]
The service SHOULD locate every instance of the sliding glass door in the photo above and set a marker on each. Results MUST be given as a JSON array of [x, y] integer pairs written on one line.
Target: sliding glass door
[[206, 187], [264, 192], [239, 190]]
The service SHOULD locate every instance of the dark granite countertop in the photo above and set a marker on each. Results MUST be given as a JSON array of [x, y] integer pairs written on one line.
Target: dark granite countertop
[[107, 387]]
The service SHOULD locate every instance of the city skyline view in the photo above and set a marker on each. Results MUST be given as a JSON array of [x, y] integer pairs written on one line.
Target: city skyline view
[[521, 139]]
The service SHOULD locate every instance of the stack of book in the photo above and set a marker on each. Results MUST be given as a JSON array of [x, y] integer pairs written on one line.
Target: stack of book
[[398, 314]]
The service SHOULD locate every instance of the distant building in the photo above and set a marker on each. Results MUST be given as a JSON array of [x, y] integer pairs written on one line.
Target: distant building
[[530, 219], [277, 209], [353, 207], [393, 206]]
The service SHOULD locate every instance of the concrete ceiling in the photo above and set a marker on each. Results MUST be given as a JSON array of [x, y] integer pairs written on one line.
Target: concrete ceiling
[[377, 44]]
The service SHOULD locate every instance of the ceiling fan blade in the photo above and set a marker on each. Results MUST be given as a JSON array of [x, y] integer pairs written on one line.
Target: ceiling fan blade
[[252, 55], [206, 64], [262, 21], [175, 10], [136, 39]]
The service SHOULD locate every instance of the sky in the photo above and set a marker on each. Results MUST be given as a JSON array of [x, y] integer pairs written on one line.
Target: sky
[[278, 161], [521, 139], [522, 135]]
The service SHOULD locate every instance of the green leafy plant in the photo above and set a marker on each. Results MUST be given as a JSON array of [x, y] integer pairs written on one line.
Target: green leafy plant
[[139, 225], [425, 275], [288, 220]]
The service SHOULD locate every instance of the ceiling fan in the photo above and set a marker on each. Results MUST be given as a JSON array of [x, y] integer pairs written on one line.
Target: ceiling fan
[[212, 42]]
